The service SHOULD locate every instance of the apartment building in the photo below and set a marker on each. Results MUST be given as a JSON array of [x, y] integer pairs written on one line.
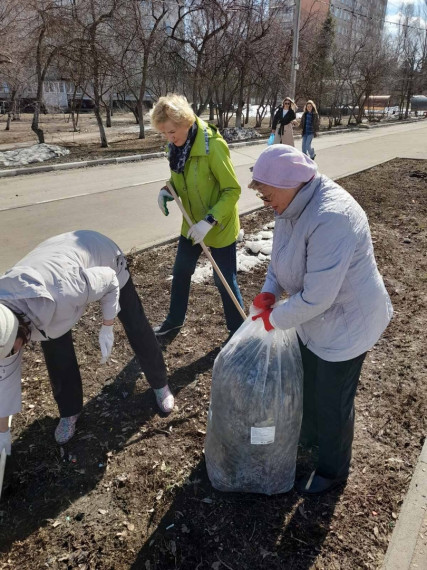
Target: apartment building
[[355, 18], [316, 9]]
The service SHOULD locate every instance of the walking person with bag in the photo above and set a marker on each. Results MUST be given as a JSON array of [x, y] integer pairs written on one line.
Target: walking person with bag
[[323, 258], [309, 124], [204, 179], [283, 121], [44, 295]]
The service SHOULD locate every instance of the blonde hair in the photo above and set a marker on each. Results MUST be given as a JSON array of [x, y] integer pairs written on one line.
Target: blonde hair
[[292, 105], [172, 107], [310, 102]]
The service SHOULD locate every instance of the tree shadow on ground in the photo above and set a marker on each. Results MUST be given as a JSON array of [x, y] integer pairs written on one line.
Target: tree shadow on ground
[[43, 479], [205, 529]]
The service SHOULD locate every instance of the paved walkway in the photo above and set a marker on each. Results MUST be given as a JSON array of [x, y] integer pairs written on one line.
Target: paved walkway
[[121, 200], [408, 546]]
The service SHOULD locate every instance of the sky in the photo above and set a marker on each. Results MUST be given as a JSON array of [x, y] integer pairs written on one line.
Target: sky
[[393, 6], [393, 14]]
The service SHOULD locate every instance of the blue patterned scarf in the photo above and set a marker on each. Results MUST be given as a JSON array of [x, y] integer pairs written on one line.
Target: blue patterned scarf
[[178, 155]]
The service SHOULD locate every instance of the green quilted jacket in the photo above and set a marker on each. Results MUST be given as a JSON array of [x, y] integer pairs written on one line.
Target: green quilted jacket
[[209, 185]]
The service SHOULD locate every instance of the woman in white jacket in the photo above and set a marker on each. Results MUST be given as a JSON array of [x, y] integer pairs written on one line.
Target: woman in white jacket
[[44, 295], [323, 258]]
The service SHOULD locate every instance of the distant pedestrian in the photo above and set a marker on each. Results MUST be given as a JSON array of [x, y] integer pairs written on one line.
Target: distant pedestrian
[[204, 179], [283, 120], [310, 124]]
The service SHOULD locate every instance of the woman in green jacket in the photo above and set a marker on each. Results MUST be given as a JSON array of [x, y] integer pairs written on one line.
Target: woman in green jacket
[[204, 179]]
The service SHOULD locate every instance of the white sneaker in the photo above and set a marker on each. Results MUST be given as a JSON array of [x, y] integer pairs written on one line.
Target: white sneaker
[[165, 328], [165, 399]]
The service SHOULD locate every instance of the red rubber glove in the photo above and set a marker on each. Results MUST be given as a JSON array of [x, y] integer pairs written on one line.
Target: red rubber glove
[[265, 316], [264, 301]]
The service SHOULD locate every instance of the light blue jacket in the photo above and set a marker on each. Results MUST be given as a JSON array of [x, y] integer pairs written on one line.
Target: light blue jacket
[[323, 259]]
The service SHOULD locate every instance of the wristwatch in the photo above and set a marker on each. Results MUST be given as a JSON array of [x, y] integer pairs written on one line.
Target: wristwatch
[[211, 220]]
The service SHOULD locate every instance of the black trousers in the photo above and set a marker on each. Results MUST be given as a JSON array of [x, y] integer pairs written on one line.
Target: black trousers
[[63, 368], [328, 410]]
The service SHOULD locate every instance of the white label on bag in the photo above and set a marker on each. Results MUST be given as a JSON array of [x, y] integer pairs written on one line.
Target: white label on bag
[[262, 435]]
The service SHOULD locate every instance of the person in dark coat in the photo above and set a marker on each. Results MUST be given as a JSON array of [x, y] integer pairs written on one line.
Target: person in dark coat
[[283, 120]]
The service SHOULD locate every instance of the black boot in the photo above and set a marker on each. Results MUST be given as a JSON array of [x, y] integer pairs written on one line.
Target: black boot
[[314, 484]]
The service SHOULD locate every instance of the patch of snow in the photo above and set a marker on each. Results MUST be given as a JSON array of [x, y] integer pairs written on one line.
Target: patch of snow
[[34, 153], [241, 236], [250, 253], [233, 134]]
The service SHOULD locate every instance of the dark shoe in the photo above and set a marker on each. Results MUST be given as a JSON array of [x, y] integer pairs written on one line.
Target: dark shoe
[[313, 157], [316, 484], [165, 328]]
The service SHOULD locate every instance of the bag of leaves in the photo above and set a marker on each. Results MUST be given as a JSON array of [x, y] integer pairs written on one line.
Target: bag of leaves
[[255, 411]]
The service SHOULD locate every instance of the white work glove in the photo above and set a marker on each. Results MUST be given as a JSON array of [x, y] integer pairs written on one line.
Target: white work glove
[[198, 231], [5, 441], [106, 340], [163, 199]]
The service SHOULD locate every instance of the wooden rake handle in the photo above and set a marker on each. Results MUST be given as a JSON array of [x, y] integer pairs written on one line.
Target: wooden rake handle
[[207, 252]]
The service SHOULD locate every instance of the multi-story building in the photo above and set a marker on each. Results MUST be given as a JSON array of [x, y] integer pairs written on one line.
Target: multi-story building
[[353, 18], [315, 9], [357, 18]]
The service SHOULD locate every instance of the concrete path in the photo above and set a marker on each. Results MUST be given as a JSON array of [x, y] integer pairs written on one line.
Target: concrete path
[[408, 545], [121, 200]]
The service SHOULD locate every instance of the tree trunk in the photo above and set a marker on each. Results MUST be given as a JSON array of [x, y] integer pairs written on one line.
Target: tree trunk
[[408, 94], [248, 101], [140, 101], [35, 123], [74, 119], [104, 142], [140, 107], [220, 115], [239, 114], [211, 111], [135, 114], [108, 114], [12, 107]]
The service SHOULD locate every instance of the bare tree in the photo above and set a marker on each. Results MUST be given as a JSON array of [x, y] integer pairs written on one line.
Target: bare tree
[[91, 46], [140, 27], [197, 24], [45, 20], [252, 23], [410, 48], [14, 72]]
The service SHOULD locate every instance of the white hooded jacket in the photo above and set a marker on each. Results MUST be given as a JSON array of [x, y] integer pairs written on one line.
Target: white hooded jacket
[[52, 286]]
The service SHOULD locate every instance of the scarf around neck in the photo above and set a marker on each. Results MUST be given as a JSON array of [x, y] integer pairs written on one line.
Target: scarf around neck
[[178, 155]]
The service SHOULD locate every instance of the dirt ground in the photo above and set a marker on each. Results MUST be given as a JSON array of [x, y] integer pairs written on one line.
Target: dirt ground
[[131, 491]]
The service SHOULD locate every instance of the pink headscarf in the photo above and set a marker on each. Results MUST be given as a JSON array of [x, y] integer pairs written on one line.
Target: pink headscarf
[[283, 166]]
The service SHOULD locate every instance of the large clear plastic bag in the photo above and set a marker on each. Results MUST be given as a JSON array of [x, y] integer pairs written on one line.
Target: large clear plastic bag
[[255, 411]]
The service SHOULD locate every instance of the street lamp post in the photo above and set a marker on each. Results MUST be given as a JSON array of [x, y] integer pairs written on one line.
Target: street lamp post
[[294, 64]]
